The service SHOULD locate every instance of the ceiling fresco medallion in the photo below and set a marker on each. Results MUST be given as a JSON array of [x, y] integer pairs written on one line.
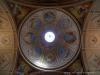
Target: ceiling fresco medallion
[[47, 36]]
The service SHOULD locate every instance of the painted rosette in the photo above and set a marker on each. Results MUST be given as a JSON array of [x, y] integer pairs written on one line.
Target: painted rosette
[[91, 41], [8, 41]]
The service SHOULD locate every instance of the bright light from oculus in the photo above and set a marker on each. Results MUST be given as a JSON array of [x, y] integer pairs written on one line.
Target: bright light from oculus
[[49, 37]]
